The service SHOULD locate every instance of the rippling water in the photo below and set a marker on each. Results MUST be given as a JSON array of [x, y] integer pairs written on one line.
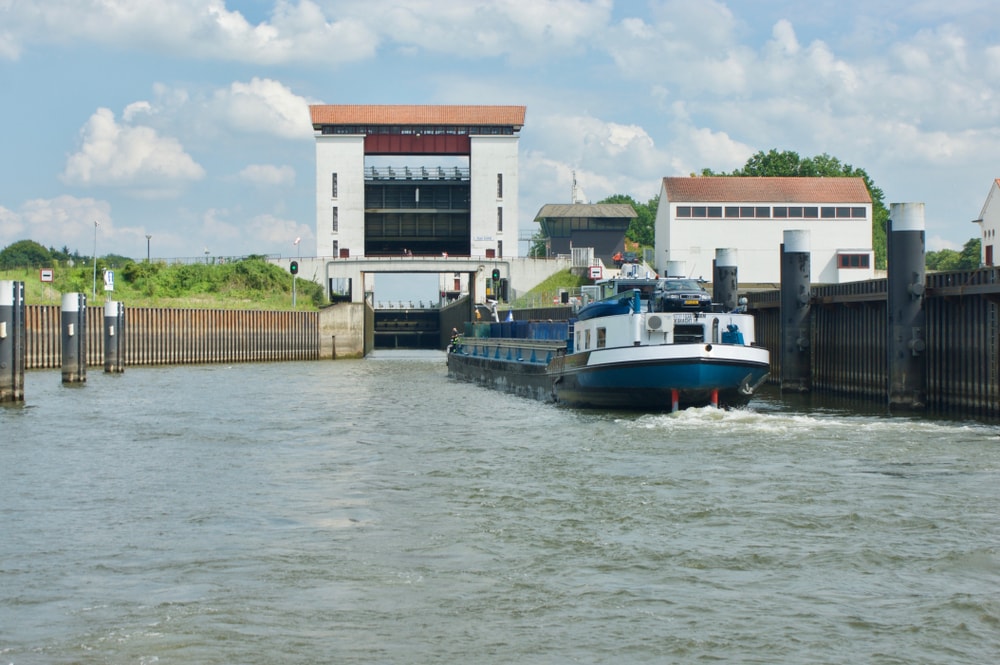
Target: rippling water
[[375, 511]]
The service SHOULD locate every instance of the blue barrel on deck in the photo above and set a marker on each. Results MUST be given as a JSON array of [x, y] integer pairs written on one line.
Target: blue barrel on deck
[[494, 329], [505, 329], [521, 329]]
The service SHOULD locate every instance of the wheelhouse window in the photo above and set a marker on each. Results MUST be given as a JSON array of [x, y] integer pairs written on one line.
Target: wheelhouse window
[[602, 337]]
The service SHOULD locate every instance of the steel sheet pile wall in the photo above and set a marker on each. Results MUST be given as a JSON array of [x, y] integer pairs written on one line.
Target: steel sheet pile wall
[[162, 336], [849, 339], [962, 342], [766, 309]]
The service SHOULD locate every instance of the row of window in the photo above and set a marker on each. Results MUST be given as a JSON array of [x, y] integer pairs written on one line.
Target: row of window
[[336, 219], [857, 261], [333, 186], [404, 130], [771, 212]]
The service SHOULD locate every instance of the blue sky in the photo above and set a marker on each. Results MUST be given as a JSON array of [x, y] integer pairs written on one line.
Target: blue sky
[[187, 119]]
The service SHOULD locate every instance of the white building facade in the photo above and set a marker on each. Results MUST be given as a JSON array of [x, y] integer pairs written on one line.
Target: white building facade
[[698, 215], [429, 210], [989, 224]]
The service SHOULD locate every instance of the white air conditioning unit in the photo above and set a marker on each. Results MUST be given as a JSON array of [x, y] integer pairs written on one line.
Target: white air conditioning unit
[[654, 323]]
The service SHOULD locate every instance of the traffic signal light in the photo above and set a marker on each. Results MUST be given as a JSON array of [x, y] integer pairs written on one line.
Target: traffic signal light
[[294, 268], [496, 274]]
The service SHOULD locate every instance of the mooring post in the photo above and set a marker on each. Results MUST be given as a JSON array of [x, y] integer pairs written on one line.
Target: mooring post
[[673, 269], [74, 338], [905, 306], [12, 342], [796, 367], [725, 287], [114, 329]]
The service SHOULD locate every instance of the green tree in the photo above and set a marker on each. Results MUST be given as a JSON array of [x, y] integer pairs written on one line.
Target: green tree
[[25, 254], [949, 259], [788, 163], [640, 230]]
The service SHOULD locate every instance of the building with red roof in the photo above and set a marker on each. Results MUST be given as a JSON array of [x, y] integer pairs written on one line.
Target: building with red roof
[[698, 215], [462, 199]]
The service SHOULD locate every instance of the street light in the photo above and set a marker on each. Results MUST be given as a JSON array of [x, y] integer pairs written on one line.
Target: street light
[[295, 276], [147, 247], [95, 259]]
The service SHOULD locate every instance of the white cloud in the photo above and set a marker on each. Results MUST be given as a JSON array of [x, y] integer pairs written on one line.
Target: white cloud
[[124, 155], [9, 49], [296, 32], [268, 174], [64, 221], [277, 232], [263, 106], [11, 226]]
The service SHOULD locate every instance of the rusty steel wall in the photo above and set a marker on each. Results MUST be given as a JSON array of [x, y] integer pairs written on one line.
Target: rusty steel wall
[[163, 336]]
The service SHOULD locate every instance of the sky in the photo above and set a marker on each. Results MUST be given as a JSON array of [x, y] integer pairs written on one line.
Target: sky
[[187, 120]]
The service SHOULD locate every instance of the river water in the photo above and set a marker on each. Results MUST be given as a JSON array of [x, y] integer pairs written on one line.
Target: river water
[[375, 511]]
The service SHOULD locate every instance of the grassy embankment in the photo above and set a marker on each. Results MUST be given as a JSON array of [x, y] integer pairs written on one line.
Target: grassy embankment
[[246, 284], [547, 292]]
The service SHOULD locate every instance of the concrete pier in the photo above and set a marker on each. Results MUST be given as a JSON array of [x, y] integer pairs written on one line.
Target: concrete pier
[[795, 304], [114, 336], [12, 342], [725, 285], [906, 326], [74, 338]]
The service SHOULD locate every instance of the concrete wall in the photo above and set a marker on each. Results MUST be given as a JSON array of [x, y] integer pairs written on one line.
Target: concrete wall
[[341, 330], [343, 154], [492, 155]]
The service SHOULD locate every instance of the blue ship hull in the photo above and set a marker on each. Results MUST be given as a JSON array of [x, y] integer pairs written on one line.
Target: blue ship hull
[[657, 379]]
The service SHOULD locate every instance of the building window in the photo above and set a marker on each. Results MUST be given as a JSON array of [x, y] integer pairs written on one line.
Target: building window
[[780, 212], [857, 261], [499, 218], [683, 211], [763, 212], [715, 211], [858, 213], [333, 186], [336, 220], [499, 185], [732, 212], [810, 212], [828, 212], [336, 248], [499, 247]]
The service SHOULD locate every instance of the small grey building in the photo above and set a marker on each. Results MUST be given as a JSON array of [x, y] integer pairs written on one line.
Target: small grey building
[[598, 225]]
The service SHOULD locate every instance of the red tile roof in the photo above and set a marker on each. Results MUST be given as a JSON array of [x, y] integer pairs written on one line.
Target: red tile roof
[[375, 114], [732, 189]]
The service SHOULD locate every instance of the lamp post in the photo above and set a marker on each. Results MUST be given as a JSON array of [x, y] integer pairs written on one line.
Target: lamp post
[[298, 247], [147, 247], [95, 260]]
